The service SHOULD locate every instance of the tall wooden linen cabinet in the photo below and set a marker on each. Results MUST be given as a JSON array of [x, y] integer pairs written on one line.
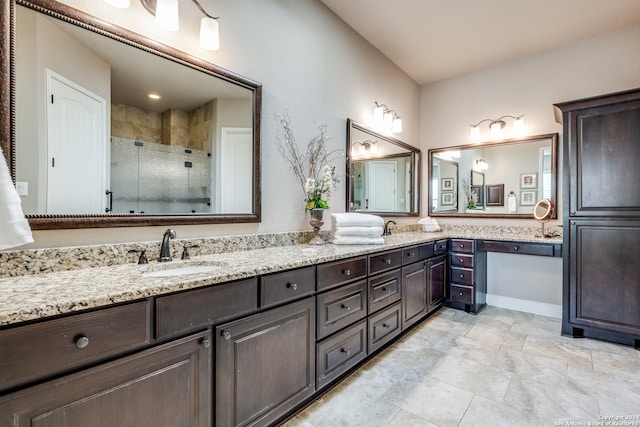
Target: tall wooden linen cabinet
[[601, 217]]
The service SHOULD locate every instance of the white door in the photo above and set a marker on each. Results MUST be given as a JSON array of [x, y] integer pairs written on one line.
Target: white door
[[76, 147], [382, 180], [236, 170]]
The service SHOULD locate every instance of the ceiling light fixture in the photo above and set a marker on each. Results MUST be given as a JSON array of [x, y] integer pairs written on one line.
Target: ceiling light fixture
[[386, 119], [166, 13], [496, 126]]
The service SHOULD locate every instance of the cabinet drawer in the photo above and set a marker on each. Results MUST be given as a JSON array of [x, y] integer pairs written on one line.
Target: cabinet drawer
[[518, 248], [462, 245], [384, 290], [463, 294], [188, 311], [441, 247], [383, 326], [55, 346], [414, 254], [287, 286], [460, 260], [384, 261], [341, 307], [336, 273], [342, 351], [462, 275]]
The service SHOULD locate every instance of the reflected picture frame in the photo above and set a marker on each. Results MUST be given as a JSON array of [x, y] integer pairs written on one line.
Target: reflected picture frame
[[446, 199], [528, 198], [447, 184], [529, 180]]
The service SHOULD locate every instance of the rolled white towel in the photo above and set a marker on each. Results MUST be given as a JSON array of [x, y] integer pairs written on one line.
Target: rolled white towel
[[14, 230], [357, 231], [353, 219], [356, 240]]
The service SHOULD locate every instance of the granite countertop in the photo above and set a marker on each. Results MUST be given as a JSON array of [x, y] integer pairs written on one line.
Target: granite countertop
[[38, 296]]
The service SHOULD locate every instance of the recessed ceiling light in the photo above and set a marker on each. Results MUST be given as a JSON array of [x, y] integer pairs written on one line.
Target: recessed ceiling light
[[154, 96]]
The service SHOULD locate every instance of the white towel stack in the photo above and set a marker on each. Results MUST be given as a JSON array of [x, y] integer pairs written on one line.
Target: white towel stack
[[356, 229], [14, 228]]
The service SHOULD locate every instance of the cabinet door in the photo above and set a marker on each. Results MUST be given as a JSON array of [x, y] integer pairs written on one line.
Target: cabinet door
[[165, 386], [603, 275], [436, 282], [414, 293], [265, 364], [604, 160]]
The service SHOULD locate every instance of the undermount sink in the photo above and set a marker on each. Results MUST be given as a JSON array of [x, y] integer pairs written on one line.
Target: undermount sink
[[181, 270]]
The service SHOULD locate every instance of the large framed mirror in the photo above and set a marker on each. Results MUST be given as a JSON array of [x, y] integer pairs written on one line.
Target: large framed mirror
[[89, 146], [493, 179], [383, 173]]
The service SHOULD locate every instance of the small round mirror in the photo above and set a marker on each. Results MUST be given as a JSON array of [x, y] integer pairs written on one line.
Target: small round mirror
[[542, 212]]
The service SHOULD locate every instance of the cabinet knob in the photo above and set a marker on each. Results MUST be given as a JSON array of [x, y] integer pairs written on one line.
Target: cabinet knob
[[515, 248], [292, 286], [412, 254], [387, 290], [388, 261], [461, 260], [346, 272], [81, 342], [462, 276], [461, 245], [461, 293], [345, 351], [386, 325], [206, 342], [345, 307], [226, 335]]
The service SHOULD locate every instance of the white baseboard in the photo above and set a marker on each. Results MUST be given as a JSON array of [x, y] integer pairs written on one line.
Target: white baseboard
[[528, 306]]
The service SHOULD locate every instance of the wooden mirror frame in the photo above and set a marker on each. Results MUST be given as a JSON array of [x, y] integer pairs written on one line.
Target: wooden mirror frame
[[76, 17], [416, 174], [553, 137]]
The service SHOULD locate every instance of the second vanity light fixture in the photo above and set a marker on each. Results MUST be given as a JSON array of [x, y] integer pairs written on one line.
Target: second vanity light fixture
[[386, 119], [364, 147], [496, 126], [166, 13]]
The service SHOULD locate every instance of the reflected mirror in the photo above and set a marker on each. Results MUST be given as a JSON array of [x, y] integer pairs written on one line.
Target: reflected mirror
[[383, 173], [524, 168], [113, 129]]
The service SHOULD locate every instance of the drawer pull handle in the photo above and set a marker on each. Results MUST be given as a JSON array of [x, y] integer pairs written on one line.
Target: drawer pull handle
[[461, 293], [226, 335], [412, 254], [388, 261], [386, 290], [346, 272], [206, 342], [386, 325], [292, 286], [461, 260], [345, 351], [461, 245], [345, 307], [515, 248], [462, 276], [82, 342]]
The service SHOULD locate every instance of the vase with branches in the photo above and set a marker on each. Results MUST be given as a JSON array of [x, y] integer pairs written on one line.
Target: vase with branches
[[311, 167], [470, 194]]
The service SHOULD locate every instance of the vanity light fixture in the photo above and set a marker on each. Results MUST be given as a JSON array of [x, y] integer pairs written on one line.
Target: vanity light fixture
[[496, 126], [364, 147], [154, 96], [481, 164], [386, 119], [166, 13]]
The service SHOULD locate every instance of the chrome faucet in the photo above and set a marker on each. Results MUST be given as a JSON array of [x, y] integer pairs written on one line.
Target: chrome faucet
[[387, 232], [165, 252]]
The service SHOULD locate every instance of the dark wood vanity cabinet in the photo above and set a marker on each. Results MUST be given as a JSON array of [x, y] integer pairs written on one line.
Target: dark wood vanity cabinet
[[265, 364], [467, 287], [437, 282], [601, 213], [164, 385]]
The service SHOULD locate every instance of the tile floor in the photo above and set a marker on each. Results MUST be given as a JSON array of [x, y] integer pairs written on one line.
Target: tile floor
[[500, 368]]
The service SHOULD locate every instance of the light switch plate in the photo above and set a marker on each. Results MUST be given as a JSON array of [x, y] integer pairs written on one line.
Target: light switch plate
[[22, 188]]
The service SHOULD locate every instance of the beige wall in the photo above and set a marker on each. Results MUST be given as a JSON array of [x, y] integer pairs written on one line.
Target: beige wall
[[309, 62]]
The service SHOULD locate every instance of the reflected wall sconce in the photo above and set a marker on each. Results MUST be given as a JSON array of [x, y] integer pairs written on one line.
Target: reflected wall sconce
[[166, 13], [481, 164], [496, 126], [364, 147], [386, 119]]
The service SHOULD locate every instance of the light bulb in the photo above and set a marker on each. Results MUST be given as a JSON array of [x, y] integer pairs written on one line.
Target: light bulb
[[374, 148], [378, 113], [167, 15], [474, 134], [496, 129], [397, 125], [209, 35], [518, 126], [388, 121]]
